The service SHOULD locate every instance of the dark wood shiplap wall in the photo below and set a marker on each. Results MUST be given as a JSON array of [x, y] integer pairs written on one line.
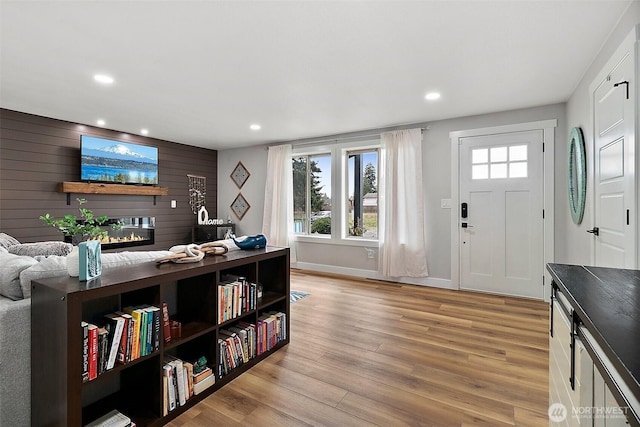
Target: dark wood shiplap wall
[[37, 153]]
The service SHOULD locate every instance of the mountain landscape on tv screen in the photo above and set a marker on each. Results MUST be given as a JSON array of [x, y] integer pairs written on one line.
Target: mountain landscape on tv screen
[[117, 162]]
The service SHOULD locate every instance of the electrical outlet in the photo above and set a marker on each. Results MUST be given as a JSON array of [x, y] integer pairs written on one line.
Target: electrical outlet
[[370, 252], [174, 204], [445, 203]]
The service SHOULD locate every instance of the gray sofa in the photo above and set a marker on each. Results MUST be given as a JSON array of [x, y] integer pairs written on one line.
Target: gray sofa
[[16, 273]]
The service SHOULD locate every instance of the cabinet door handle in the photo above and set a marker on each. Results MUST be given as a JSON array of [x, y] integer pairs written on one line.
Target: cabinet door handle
[[575, 322], [595, 231]]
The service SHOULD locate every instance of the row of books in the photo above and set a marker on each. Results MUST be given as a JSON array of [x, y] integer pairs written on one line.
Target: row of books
[[271, 329], [235, 299], [125, 336], [236, 346], [241, 343], [181, 382]]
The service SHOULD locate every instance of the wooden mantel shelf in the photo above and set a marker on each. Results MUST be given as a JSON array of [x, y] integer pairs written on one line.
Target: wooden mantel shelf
[[102, 188]]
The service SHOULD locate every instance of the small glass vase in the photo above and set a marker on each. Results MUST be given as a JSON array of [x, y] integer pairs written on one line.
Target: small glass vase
[[73, 262]]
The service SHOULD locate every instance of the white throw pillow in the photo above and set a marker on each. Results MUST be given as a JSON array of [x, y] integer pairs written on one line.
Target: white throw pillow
[[119, 259], [51, 266], [10, 268]]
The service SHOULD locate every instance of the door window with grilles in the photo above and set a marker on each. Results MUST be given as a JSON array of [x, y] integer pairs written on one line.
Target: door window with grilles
[[499, 162]]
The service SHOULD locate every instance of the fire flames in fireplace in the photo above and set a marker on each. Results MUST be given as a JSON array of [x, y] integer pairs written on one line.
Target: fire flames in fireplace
[[130, 238], [135, 232]]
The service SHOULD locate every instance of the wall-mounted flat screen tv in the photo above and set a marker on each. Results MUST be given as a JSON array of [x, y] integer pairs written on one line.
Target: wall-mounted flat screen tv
[[106, 160]]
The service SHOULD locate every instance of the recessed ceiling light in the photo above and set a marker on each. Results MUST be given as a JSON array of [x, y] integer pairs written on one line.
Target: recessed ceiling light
[[432, 96], [100, 122], [255, 127], [144, 131], [103, 78]]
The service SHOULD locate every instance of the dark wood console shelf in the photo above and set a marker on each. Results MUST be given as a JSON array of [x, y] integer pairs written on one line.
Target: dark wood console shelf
[[106, 188], [59, 397]]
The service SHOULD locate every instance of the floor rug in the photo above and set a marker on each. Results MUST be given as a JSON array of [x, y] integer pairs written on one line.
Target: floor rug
[[296, 295]]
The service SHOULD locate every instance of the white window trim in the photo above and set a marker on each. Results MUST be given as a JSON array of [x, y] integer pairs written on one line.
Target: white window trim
[[339, 187]]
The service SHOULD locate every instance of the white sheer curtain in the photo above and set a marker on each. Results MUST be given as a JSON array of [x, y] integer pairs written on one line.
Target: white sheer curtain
[[403, 247], [277, 220]]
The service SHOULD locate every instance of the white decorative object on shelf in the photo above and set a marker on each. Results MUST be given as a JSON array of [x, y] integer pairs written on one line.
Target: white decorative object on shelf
[[73, 262]]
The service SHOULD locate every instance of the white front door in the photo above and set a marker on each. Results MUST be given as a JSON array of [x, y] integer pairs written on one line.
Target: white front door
[[501, 234], [614, 187]]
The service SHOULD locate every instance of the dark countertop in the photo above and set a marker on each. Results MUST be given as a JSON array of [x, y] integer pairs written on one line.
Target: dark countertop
[[607, 300]]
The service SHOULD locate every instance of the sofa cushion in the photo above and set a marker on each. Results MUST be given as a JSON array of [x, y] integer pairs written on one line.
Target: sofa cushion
[[118, 259], [7, 241], [41, 248], [10, 268], [51, 266]]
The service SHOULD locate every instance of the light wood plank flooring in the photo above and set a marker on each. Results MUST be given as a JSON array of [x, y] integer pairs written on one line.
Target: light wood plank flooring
[[366, 352]]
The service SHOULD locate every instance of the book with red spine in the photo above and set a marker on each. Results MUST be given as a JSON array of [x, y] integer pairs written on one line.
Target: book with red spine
[[121, 358], [93, 351]]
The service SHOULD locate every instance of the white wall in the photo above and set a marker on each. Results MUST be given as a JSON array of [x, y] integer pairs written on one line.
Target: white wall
[[437, 170], [255, 160], [348, 259], [573, 243]]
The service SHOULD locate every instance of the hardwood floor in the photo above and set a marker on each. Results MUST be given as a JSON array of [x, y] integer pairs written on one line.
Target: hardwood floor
[[365, 352]]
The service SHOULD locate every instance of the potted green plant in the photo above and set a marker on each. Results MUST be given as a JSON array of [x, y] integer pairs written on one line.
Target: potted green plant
[[80, 229], [83, 228]]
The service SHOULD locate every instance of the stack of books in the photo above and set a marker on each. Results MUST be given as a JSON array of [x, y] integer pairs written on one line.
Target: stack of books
[[180, 382], [114, 418]]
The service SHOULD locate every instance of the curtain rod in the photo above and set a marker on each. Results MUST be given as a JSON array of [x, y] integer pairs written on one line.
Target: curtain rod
[[337, 138]]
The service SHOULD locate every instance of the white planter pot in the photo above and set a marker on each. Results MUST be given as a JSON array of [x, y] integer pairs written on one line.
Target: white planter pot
[[73, 262]]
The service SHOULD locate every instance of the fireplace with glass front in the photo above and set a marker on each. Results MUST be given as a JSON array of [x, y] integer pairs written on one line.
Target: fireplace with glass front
[[135, 231]]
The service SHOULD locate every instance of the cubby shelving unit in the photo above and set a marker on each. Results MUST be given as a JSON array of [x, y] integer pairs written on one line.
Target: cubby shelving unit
[[59, 397]]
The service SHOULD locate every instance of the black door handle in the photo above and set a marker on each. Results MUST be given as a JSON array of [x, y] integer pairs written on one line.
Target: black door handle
[[595, 231]]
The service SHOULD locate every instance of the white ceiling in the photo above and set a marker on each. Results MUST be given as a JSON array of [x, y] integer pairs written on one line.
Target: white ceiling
[[200, 72]]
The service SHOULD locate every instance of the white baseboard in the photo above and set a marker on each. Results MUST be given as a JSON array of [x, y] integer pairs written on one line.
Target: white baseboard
[[370, 274]]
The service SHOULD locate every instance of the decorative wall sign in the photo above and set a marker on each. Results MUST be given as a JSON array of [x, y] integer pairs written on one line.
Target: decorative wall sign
[[203, 218], [240, 206], [240, 175], [197, 192]]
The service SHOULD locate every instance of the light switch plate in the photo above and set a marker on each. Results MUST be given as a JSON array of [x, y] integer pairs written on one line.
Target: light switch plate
[[445, 203]]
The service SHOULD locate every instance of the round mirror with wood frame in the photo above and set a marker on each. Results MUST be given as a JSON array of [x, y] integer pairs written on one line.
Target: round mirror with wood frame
[[576, 175]]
